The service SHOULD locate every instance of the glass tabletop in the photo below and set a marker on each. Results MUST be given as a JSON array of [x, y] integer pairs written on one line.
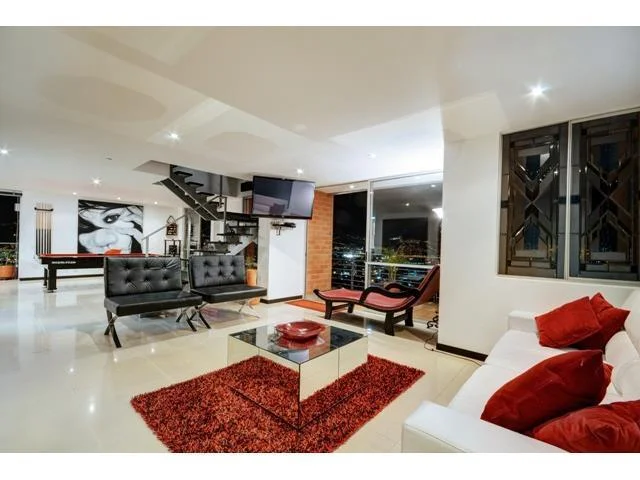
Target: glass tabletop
[[269, 339]]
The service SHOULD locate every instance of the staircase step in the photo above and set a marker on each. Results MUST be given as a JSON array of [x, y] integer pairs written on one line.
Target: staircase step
[[183, 195], [241, 217], [181, 172]]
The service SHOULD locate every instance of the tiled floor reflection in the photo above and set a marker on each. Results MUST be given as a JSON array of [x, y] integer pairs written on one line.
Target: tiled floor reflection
[[66, 388]]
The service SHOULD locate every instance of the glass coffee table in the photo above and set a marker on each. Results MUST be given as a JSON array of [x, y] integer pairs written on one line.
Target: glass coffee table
[[297, 381]]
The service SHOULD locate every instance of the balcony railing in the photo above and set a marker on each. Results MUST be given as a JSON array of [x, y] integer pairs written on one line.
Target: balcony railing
[[406, 274]]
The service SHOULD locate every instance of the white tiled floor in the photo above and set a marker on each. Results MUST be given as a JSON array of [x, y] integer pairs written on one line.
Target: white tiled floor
[[66, 388]]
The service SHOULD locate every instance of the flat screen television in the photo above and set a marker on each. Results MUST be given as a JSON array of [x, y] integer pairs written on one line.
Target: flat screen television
[[282, 198]]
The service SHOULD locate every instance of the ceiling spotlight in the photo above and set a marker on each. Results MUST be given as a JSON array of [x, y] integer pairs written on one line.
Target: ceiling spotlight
[[96, 181], [352, 187], [74, 193], [174, 136], [372, 155], [299, 171], [537, 91], [407, 204], [4, 151], [433, 185], [155, 203], [119, 198]]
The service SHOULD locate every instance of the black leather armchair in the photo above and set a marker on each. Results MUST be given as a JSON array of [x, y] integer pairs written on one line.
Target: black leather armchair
[[144, 285], [220, 278]]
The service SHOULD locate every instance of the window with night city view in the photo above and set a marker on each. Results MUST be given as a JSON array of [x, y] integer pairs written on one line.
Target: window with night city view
[[349, 231]]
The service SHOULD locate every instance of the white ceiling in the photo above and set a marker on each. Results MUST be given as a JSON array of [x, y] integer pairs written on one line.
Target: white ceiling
[[269, 100]]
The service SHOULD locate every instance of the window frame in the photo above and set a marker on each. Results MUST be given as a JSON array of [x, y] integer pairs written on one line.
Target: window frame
[[566, 277]]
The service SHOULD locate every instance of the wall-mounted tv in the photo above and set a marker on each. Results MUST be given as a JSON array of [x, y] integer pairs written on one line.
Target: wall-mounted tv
[[282, 198]]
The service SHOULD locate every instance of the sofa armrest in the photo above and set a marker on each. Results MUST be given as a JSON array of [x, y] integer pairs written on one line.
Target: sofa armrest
[[434, 428], [522, 321]]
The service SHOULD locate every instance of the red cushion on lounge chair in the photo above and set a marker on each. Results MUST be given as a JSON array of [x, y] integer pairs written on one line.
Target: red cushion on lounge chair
[[380, 301], [374, 299], [343, 294]]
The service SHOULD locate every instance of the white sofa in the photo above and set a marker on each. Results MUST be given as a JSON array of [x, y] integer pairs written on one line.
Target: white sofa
[[457, 427]]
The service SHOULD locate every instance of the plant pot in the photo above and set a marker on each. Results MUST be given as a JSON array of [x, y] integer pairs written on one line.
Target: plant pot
[[7, 272], [252, 281]]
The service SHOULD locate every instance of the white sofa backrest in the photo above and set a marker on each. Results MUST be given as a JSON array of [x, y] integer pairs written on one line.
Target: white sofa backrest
[[632, 324], [626, 380], [619, 350]]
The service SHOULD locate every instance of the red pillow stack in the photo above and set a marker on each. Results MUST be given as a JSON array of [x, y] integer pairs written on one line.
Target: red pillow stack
[[557, 400], [553, 387], [611, 320], [612, 428], [583, 324]]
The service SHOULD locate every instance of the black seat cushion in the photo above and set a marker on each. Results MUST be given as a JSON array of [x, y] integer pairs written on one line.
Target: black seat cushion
[[134, 303], [229, 293]]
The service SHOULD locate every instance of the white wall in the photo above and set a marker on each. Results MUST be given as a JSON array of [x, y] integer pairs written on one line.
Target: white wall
[[282, 259], [64, 237], [474, 299]]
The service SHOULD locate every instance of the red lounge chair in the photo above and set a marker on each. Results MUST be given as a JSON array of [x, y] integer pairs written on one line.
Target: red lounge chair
[[391, 299]]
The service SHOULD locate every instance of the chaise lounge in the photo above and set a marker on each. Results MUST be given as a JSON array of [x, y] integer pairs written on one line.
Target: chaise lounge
[[393, 298]]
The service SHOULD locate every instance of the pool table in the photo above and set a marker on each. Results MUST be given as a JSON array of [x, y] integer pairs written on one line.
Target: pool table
[[57, 261]]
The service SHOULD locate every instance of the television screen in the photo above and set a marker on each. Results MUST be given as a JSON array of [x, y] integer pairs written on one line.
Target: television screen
[[282, 198]]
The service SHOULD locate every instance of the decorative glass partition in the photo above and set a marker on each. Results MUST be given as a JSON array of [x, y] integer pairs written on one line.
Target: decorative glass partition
[[604, 222], [532, 213]]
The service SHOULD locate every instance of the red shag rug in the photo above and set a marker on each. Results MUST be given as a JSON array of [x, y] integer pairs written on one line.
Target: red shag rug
[[205, 414], [310, 304]]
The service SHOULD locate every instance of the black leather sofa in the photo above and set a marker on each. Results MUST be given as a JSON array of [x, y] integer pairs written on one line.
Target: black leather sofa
[[220, 278], [144, 285]]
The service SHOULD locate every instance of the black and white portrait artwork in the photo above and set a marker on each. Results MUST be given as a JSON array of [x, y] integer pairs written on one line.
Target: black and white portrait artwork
[[104, 226]]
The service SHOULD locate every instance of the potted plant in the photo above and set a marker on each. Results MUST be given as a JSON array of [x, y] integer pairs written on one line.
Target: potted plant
[[391, 255], [251, 266], [8, 260]]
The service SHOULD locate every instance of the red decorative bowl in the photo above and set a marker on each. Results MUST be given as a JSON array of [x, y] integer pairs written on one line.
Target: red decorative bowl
[[300, 344], [299, 331]]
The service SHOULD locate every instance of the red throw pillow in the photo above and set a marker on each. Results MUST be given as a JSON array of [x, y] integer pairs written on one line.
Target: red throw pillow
[[567, 324], [611, 428], [611, 320], [551, 388]]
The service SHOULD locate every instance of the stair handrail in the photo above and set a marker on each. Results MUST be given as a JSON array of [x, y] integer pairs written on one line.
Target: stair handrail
[[146, 237]]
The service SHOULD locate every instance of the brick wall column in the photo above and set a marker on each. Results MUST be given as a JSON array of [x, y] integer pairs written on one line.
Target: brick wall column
[[320, 243]]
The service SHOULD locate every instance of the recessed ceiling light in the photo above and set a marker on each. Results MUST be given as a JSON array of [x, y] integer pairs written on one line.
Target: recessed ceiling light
[[119, 198], [173, 136], [74, 193], [299, 171], [372, 155], [537, 91], [96, 181], [433, 185], [155, 203], [352, 187], [4, 151], [407, 204]]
